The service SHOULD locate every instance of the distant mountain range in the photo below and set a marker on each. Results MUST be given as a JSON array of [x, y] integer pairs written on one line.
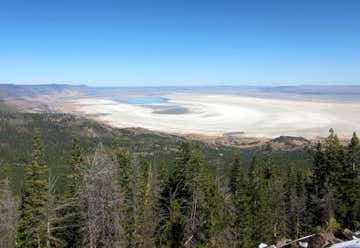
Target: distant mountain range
[[316, 90], [15, 90], [49, 89]]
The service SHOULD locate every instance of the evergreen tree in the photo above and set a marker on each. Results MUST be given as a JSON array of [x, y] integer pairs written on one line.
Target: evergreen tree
[[31, 225], [127, 208], [255, 173], [349, 186], [190, 205], [334, 155], [145, 214], [207, 203], [353, 155], [71, 211], [162, 173], [320, 174], [77, 166], [353, 158], [175, 202], [275, 192], [261, 222], [299, 204], [241, 215], [261, 225], [269, 169], [289, 197], [294, 199], [212, 217], [316, 189]]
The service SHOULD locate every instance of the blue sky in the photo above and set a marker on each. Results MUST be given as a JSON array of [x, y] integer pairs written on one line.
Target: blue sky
[[175, 42]]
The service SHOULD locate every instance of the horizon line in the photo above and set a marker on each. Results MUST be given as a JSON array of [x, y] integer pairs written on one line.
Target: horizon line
[[188, 85]]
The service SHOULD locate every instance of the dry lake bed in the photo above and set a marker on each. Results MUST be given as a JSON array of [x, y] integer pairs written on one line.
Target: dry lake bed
[[224, 113]]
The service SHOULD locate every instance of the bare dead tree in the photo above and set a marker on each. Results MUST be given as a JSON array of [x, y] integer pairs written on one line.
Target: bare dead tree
[[100, 199], [8, 206]]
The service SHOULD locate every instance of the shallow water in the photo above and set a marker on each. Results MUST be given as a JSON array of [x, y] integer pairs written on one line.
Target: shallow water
[[145, 100]]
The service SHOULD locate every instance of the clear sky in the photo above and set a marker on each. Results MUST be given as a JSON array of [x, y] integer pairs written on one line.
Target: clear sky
[[180, 42]]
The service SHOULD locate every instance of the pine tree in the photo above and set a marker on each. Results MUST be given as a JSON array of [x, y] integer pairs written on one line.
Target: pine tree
[[275, 192], [261, 222], [289, 198], [353, 155], [127, 208], [175, 202], [334, 155], [353, 158], [320, 174], [207, 204], [190, 206], [241, 215], [31, 226], [77, 166], [71, 210], [268, 162], [299, 203], [212, 217], [145, 200], [255, 173], [348, 186], [294, 199], [260, 210], [316, 190], [162, 173]]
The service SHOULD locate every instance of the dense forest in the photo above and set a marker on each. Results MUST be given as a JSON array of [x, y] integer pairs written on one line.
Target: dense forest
[[122, 189]]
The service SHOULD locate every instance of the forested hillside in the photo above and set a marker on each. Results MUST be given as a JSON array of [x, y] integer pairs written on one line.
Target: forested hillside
[[70, 182]]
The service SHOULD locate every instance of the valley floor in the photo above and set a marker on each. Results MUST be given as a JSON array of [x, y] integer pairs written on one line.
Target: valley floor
[[219, 114]]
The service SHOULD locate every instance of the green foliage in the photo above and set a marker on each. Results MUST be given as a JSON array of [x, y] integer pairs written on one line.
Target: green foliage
[[70, 219], [334, 154], [334, 160], [31, 228], [208, 204], [348, 191], [127, 208], [325, 182], [333, 189], [187, 198], [190, 205], [145, 217], [261, 223], [332, 225], [269, 169], [275, 192], [320, 174], [316, 189], [261, 216], [295, 203], [241, 213], [175, 202]]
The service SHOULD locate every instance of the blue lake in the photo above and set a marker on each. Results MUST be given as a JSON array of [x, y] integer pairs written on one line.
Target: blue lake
[[145, 100]]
